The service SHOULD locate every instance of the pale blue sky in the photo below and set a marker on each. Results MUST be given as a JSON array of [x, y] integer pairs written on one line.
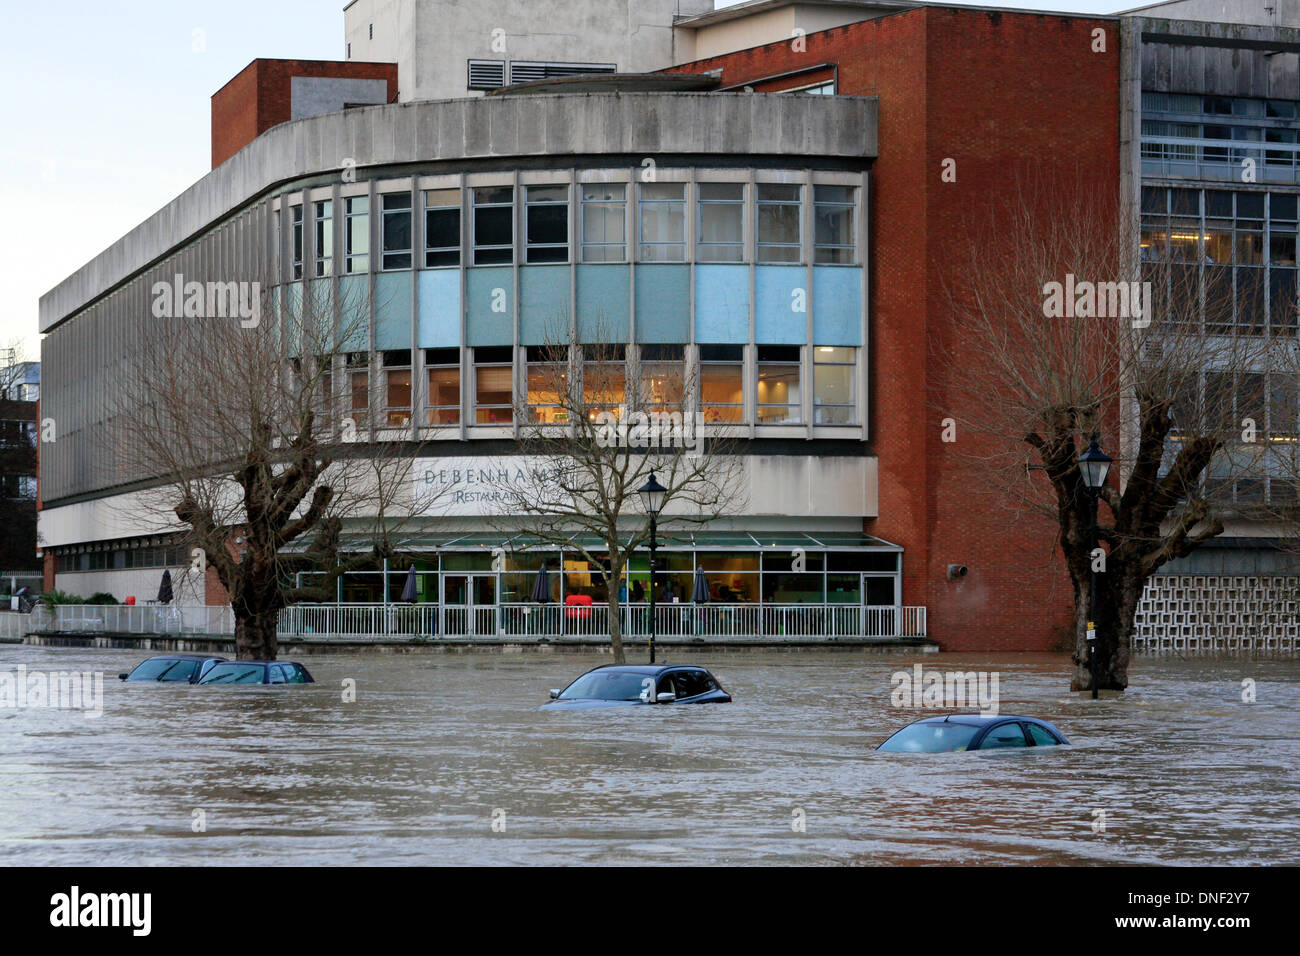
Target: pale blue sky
[[107, 117]]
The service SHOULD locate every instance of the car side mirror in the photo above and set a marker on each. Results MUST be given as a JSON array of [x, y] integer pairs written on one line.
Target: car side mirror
[[555, 692], [122, 676], [667, 697]]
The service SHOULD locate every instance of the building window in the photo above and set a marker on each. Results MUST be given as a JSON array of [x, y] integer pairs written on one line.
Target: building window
[[604, 222], [324, 237], [493, 386], [358, 379], [722, 377], [778, 223], [396, 230], [356, 234], [494, 223], [833, 378], [442, 368], [441, 227], [548, 381], [547, 223], [397, 388], [722, 222], [833, 229], [778, 385], [663, 222], [604, 379], [296, 237], [663, 377]]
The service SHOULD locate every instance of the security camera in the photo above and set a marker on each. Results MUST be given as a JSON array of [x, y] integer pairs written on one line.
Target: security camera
[[956, 571]]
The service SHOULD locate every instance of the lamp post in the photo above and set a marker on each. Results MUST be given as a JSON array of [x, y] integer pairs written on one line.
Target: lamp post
[[1094, 464], [652, 497]]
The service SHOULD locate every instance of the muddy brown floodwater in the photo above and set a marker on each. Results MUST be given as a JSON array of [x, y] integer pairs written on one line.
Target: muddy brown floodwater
[[438, 747]]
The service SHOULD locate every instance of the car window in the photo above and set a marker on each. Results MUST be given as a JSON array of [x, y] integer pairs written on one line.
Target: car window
[[933, 738], [295, 673], [233, 674], [1004, 735], [153, 669], [605, 685], [692, 683], [276, 675], [1041, 736], [180, 671]]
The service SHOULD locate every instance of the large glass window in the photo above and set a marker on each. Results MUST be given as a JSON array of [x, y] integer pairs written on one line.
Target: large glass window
[[494, 225], [778, 223], [604, 379], [397, 230], [548, 383], [778, 385], [833, 381], [397, 388], [295, 213], [663, 222], [604, 222], [548, 223], [493, 386], [722, 377], [722, 222], [663, 379], [358, 379], [441, 227], [356, 234], [833, 230], [324, 237], [442, 368]]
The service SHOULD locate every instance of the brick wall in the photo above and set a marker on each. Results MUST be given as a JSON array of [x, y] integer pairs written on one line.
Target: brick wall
[[259, 97], [997, 92]]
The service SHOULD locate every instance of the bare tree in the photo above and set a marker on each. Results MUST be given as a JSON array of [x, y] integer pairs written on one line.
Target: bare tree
[[268, 436], [595, 420], [1065, 326], [18, 437]]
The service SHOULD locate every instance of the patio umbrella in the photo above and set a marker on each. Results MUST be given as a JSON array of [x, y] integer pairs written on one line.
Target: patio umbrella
[[165, 594], [700, 590], [408, 592], [542, 586]]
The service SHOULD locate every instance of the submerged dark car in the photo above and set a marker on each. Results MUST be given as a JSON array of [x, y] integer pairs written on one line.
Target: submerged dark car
[[615, 685], [960, 732], [173, 669], [257, 672]]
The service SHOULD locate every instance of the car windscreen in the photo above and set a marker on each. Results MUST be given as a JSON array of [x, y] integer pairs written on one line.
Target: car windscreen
[[931, 738], [164, 669], [607, 685], [233, 674]]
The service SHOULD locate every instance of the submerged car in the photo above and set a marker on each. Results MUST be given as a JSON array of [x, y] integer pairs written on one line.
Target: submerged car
[[173, 669], [960, 732], [615, 685], [257, 672]]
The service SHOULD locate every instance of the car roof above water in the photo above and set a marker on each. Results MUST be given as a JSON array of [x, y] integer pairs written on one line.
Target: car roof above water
[[645, 668]]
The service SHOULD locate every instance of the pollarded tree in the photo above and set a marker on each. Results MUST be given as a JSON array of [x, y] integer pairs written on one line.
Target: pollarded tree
[[1065, 325], [261, 437]]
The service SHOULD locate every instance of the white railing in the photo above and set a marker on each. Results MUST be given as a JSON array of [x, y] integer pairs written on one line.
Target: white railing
[[550, 621], [137, 619], [14, 626]]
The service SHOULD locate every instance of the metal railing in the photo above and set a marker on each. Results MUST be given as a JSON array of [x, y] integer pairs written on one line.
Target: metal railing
[[136, 619], [551, 621]]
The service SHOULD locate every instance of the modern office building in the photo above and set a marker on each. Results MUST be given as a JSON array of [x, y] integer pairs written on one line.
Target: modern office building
[[20, 392], [786, 249]]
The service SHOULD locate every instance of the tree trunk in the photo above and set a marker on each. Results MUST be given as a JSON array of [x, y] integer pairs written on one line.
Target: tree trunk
[[615, 621], [255, 635], [1116, 609]]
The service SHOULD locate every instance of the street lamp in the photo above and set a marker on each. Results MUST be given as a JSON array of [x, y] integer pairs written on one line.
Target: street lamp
[[1094, 465], [652, 498]]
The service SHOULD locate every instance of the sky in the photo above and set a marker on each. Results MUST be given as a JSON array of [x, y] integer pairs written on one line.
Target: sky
[[108, 117]]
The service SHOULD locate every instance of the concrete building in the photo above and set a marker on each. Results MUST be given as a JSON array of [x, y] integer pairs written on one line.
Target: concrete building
[[758, 193]]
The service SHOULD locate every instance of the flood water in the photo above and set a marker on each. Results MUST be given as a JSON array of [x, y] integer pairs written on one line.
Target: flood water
[[436, 747]]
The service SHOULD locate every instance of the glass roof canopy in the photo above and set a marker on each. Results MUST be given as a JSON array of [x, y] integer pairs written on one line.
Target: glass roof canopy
[[668, 541]]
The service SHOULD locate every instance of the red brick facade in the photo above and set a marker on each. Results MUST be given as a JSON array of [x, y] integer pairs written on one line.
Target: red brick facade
[[995, 92], [259, 97]]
